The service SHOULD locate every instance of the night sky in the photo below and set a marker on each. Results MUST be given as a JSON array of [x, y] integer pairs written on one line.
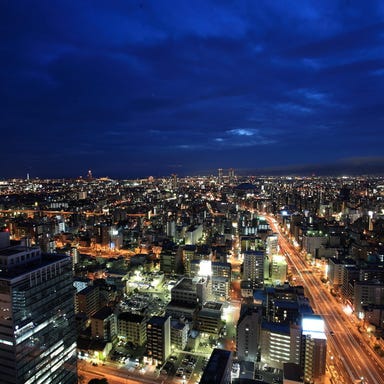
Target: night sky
[[133, 88]]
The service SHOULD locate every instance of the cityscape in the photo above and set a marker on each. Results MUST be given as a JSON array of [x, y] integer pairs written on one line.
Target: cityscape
[[191, 192], [186, 280]]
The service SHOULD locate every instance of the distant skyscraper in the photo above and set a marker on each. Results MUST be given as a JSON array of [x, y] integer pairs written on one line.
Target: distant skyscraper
[[174, 181], [231, 175], [220, 175], [38, 334]]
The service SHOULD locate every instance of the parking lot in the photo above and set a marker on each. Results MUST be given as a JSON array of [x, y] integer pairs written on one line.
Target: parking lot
[[185, 367]]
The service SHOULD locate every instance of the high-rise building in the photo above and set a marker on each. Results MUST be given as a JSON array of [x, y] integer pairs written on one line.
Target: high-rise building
[[189, 252], [275, 344], [272, 245], [179, 334], [87, 300], [220, 175], [170, 261], [37, 318], [279, 269], [191, 291], [132, 328], [248, 333], [254, 266], [103, 324], [231, 175], [159, 338], [314, 347]]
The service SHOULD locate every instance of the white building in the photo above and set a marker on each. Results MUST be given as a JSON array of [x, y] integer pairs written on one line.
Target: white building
[[279, 268]]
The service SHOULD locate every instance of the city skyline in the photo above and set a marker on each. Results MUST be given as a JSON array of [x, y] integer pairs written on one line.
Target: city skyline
[[133, 89]]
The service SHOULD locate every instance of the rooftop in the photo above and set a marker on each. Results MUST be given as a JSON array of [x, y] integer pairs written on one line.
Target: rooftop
[[157, 320], [185, 284], [216, 367], [45, 260], [103, 313], [131, 317], [213, 305]]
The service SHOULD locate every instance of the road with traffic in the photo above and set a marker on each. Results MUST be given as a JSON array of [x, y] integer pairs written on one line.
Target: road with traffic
[[348, 350]]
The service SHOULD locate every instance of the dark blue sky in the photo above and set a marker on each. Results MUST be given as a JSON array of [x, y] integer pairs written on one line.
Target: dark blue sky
[[132, 88]]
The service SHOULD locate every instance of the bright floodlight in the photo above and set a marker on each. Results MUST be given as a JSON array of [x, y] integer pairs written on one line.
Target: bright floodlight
[[313, 326], [205, 268]]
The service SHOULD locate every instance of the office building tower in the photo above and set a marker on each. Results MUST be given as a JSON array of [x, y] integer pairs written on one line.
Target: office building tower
[[275, 344], [368, 295], [179, 334], [221, 287], [159, 338], [254, 267], [279, 269], [103, 324], [87, 300], [248, 333], [189, 252], [133, 328], [231, 174], [174, 182], [220, 175], [272, 245], [37, 326], [209, 318], [171, 261], [314, 346], [191, 291], [193, 234]]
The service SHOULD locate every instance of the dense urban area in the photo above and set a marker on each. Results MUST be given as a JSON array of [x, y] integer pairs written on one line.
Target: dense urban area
[[221, 279]]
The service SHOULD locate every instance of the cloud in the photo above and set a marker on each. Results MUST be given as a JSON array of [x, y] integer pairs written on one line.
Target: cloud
[[175, 81], [243, 132]]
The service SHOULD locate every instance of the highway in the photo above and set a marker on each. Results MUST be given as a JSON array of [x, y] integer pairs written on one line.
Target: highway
[[348, 351]]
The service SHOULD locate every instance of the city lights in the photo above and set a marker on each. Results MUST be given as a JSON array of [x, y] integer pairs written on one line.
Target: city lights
[[158, 298]]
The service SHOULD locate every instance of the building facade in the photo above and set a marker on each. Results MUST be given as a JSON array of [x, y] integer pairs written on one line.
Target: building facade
[[37, 321], [254, 267], [88, 300], [218, 369], [132, 328], [103, 325], [248, 333], [159, 338]]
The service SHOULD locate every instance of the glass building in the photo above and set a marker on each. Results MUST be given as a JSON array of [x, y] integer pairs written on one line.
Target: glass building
[[37, 330]]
